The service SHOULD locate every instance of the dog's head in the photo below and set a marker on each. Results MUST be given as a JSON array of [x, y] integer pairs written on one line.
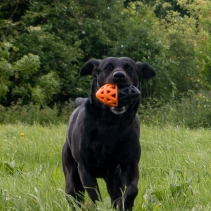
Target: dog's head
[[121, 71]]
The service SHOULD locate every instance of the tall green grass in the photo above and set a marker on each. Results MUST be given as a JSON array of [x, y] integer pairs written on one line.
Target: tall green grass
[[192, 111], [175, 169], [30, 114]]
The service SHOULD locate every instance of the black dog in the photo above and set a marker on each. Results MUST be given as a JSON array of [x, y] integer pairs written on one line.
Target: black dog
[[103, 141]]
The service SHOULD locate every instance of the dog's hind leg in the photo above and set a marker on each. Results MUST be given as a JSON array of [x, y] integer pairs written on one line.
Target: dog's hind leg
[[73, 185]]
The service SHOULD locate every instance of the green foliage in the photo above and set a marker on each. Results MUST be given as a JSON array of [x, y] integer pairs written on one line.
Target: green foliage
[[200, 10], [182, 66], [34, 114], [5, 68], [17, 77], [191, 110], [55, 56], [47, 86], [26, 66], [142, 42], [172, 53], [44, 44]]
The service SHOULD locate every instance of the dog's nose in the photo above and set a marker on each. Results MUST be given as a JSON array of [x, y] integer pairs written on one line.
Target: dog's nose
[[119, 75]]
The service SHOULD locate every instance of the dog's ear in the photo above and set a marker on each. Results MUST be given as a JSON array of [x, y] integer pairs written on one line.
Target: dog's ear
[[89, 66], [145, 70]]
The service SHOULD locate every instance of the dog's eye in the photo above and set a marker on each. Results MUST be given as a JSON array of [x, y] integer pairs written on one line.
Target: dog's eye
[[109, 67], [129, 68]]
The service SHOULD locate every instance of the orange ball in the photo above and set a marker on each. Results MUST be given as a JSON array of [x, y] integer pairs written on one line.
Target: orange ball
[[108, 95], [114, 96]]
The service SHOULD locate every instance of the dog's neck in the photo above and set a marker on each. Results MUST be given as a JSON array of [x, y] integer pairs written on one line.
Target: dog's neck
[[103, 114]]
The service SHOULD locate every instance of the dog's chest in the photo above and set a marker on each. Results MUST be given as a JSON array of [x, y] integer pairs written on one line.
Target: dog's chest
[[103, 149]]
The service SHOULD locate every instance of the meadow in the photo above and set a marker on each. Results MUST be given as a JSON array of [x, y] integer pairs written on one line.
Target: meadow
[[175, 169]]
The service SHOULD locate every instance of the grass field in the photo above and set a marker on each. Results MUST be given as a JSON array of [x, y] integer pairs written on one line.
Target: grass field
[[175, 169]]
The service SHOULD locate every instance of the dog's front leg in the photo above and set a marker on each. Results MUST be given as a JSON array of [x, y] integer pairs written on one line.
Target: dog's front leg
[[130, 177], [89, 183]]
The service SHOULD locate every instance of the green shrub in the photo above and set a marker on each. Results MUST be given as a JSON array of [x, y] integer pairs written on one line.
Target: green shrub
[[191, 110], [30, 114]]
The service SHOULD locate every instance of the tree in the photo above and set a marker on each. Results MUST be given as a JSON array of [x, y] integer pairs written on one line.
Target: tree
[[162, 7], [64, 34], [200, 10], [5, 69], [44, 44]]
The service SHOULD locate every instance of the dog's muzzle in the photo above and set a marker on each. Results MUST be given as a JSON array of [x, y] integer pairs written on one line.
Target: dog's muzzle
[[118, 110]]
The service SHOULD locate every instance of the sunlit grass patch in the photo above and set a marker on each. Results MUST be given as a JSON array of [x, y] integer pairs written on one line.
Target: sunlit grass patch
[[175, 169]]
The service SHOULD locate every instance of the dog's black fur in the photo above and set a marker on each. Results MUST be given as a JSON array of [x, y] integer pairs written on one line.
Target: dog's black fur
[[103, 142]]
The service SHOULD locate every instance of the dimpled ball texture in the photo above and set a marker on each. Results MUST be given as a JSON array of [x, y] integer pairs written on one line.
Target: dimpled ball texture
[[114, 96], [108, 95]]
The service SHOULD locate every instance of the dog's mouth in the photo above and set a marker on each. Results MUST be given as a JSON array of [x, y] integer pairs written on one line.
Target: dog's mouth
[[118, 110]]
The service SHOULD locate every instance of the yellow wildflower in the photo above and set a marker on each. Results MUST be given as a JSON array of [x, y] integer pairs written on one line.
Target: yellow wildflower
[[22, 134]]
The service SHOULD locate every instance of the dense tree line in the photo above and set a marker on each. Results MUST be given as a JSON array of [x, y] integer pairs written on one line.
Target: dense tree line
[[43, 44]]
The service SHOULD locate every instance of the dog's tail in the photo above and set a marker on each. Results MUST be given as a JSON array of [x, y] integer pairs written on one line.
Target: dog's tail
[[79, 101]]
